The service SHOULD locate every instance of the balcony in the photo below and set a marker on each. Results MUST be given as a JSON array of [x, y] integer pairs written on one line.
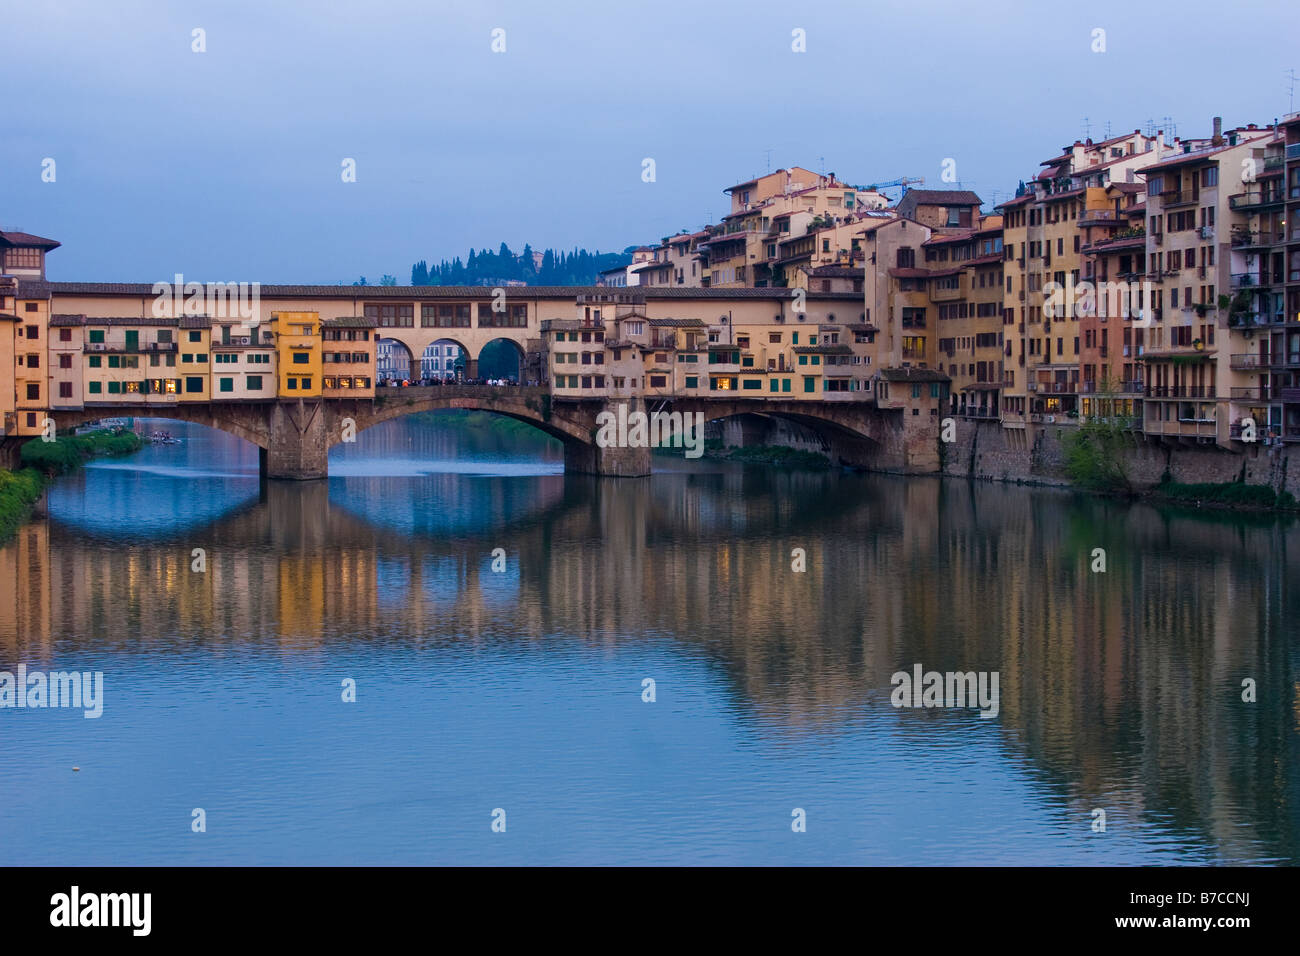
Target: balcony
[[1256, 393], [142, 348], [1179, 197], [1257, 240], [1179, 391], [1256, 199], [1249, 280], [1250, 361]]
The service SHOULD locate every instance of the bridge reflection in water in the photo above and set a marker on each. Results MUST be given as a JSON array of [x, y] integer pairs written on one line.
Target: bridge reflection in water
[[1118, 690]]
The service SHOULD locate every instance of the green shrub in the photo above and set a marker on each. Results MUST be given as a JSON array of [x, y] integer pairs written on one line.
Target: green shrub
[[69, 451], [19, 490], [1094, 456]]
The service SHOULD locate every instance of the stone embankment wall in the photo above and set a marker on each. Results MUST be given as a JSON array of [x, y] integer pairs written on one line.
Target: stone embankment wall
[[1036, 454]]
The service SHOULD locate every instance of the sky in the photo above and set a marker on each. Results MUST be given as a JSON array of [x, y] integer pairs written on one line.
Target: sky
[[227, 165]]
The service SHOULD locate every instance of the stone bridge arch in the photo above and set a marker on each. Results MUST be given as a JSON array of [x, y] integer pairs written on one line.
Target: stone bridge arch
[[854, 434], [249, 421]]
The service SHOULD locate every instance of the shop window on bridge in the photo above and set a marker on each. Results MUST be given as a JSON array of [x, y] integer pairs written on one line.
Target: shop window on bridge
[[658, 381], [226, 384], [254, 383], [330, 381], [196, 336], [751, 384], [291, 384], [95, 388], [193, 383], [97, 336], [810, 383], [692, 381]]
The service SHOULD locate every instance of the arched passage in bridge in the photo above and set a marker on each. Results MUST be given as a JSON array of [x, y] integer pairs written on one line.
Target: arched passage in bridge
[[501, 358], [393, 360], [444, 359]]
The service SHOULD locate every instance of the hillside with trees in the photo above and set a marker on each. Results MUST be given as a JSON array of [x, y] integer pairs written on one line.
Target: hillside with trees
[[484, 267]]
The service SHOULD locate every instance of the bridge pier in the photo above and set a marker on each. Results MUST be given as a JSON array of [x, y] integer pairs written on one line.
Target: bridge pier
[[611, 462], [299, 447]]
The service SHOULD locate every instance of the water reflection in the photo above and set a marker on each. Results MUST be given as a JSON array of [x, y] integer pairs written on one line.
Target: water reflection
[[1119, 690]]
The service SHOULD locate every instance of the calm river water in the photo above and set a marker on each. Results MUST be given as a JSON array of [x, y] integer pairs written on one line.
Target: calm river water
[[521, 689]]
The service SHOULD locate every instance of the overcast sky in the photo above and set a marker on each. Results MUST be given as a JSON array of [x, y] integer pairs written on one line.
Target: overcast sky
[[225, 165]]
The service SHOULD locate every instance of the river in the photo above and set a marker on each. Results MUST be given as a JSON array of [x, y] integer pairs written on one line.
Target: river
[[228, 618]]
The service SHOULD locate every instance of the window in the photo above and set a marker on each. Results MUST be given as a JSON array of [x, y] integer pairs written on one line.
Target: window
[[226, 384], [196, 337], [193, 383], [292, 384], [95, 388], [658, 381], [809, 383], [65, 361], [65, 335], [692, 381], [65, 390], [301, 358], [306, 382], [97, 336]]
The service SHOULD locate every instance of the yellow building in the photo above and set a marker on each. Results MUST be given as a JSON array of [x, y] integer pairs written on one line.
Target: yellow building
[[300, 367], [348, 357]]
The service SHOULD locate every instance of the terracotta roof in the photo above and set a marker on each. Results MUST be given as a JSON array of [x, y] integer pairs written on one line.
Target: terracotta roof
[[36, 288], [943, 197], [676, 323], [27, 239], [64, 320], [1194, 157], [836, 272], [350, 322], [131, 320]]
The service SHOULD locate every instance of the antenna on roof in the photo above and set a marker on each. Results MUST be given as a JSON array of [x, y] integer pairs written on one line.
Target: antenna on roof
[[1107, 133], [1290, 74], [1171, 128], [1087, 129], [769, 159]]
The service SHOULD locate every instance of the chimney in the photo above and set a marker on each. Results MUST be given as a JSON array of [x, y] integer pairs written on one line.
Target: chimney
[[1218, 131]]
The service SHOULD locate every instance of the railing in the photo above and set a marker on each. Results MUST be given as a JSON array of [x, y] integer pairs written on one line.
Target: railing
[[1176, 197], [142, 348], [1266, 197], [1256, 393], [1247, 361], [1179, 391], [1247, 240]]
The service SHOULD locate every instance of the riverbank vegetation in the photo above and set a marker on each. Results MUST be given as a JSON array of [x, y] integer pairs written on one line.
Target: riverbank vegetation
[[19, 490], [1231, 494], [1095, 454], [69, 452]]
